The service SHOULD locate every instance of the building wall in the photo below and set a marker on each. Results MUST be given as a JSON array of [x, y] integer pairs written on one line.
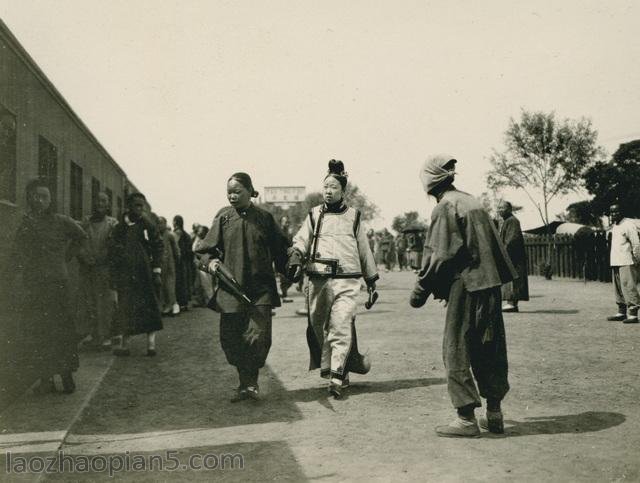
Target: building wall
[[39, 110]]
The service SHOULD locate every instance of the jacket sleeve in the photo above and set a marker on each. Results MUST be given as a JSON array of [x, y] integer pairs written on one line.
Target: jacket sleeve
[[212, 245], [442, 244], [156, 244], [301, 243], [367, 262]]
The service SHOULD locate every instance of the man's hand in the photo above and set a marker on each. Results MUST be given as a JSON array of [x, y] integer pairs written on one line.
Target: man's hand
[[253, 333], [294, 273], [371, 286], [213, 265]]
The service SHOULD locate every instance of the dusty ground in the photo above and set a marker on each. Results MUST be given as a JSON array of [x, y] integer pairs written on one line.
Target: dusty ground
[[572, 412]]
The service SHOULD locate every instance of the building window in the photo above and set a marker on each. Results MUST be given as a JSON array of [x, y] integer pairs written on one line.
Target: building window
[[7, 155], [48, 164], [95, 190], [76, 191], [110, 196]]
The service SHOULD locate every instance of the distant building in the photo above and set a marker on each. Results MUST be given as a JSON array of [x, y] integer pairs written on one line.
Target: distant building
[[284, 196]]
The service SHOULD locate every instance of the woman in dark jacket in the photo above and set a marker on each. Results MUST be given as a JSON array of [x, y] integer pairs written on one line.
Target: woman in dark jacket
[[249, 242], [40, 253]]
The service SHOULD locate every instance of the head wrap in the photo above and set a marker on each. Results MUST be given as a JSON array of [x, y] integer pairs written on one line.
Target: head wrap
[[336, 170], [245, 180], [433, 172]]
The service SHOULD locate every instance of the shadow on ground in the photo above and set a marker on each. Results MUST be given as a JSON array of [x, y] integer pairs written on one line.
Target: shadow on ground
[[556, 311], [236, 462], [187, 385], [320, 393], [587, 422]]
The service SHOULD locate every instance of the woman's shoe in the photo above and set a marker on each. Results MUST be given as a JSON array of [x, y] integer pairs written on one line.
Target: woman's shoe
[[68, 385], [335, 390], [253, 393]]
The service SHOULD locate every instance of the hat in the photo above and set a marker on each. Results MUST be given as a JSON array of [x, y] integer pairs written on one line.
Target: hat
[[437, 169]]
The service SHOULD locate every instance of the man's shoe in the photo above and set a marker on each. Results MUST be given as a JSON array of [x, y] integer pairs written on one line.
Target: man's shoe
[[492, 422], [241, 395], [459, 428], [617, 318], [253, 393], [286, 301], [68, 385], [631, 320], [510, 308], [46, 386]]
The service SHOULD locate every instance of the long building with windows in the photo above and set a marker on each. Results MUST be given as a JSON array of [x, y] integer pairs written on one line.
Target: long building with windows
[[41, 135]]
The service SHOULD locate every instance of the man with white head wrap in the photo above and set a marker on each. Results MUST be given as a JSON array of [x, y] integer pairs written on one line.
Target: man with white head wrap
[[465, 263]]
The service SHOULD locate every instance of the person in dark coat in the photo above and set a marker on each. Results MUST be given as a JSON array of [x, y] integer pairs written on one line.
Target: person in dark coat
[[40, 251], [511, 236], [465, 263], [185, 270], [249, 242], [285, 284], [136, 251]]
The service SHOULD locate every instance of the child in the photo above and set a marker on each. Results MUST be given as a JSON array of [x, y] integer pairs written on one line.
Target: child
[[337, 254], [248, 241]]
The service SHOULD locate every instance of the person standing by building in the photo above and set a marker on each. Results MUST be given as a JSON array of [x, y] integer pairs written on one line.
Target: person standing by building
[[337, 254], [465, 264], [513, 240], [624, 260], [135, 255], [249, 242], [40, 265], [97, 300], [185, 271], [170, 260]]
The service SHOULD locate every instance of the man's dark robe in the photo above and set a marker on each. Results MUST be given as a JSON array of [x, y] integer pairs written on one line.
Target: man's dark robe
[[135, 250], [511, 235]]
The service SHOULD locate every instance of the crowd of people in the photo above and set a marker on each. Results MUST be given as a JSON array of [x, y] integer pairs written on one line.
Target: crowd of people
[[136, 269]]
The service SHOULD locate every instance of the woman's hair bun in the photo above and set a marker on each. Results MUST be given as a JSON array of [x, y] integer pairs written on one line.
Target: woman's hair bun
[[336, 167]]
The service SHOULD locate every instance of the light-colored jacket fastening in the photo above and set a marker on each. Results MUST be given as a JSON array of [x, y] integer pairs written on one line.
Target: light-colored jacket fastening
[[334, 245]]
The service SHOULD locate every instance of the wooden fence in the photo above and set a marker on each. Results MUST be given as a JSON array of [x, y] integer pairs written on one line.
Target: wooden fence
[[583, 257]]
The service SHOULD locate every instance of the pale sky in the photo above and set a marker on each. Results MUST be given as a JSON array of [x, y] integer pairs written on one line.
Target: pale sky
[[184, 93]]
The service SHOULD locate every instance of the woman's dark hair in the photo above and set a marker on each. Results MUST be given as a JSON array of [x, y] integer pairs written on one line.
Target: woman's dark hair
[[204, 229], [336, 170], [178, 220], [33, 185], [245, 180]]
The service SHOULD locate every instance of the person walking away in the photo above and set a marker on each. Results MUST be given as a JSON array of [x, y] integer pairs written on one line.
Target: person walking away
[[513, 240], [336, 252], [136, 272], [465, 264], [249, 242], [624, 258]]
